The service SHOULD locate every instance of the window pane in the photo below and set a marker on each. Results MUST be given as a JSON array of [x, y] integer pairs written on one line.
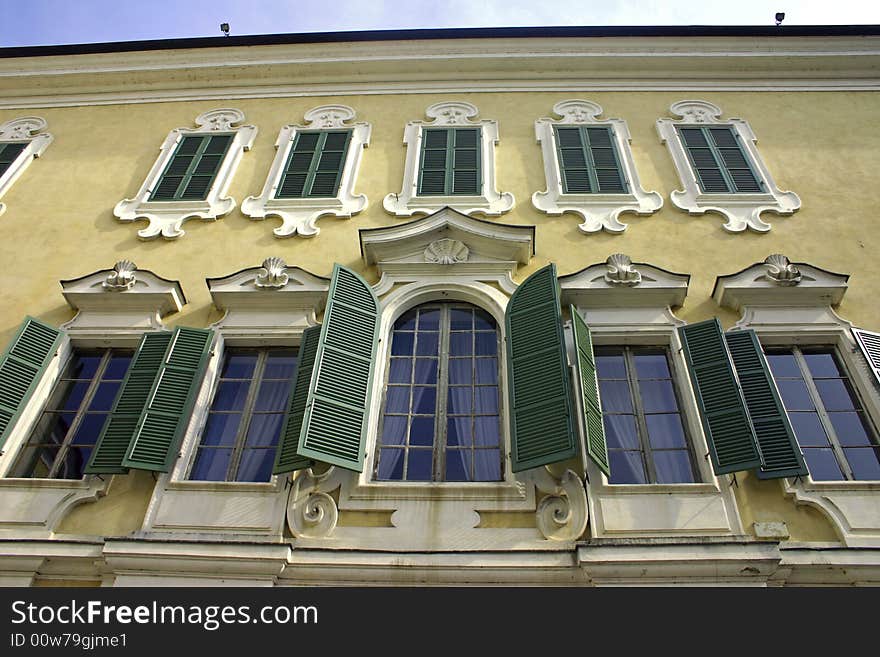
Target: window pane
[[104, 397], [620, 431], [459, 400], [71, 396], [419, 465], [211, 465], [665, 431], [487, 431], [651, 366], [485, 344], [427, 344], [273, 396], [402, 344], [808, 429], [117, 367], [89, 429], [673, 467], [264, 430], [461, 344], [231, 395], [400, 371], [487, 465], [850, 429], [460, 370], [397, 399], [610, 366], [421, 431], [424, 400], [626, 467], [84, 366], [615, 397], [458, 465], [239, 365], [483, 321], [794, 395], [406, 322], [426, 370], [74, 463], [280, 364], [391, 464], [864, 462], [822, 464], [835, 395], [657, 396], [256, 465], [822, 365], [429, 320], [783, 365], [460, 319], [53, 427], [487, 370], [393, 430], [458, 431], [221, 429], [486, 400]]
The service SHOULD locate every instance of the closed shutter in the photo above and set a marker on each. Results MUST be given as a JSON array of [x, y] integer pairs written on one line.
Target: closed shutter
[[192, 169], [540, 393], [732, 442], [870, 345], [22, 366], [315, 164], [287, 459], [118, 432], [589, 161], [719, 160], [9, 152], [167, 412], [780, 453], [597, 449], [450, 162], [335, 418]]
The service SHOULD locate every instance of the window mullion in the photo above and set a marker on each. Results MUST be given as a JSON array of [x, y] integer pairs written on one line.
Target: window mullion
[[641, 423], [440, 419], [450, 162], [587, 149], [246, 416]]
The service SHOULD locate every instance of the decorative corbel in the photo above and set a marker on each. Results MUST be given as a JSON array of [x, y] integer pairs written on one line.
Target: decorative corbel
[[561, 515], [311, 511]]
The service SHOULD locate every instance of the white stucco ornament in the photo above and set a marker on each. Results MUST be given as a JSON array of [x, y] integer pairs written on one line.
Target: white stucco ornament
[[121, 277], [274, 273], [621, 271], [446, 252], [781, 271]]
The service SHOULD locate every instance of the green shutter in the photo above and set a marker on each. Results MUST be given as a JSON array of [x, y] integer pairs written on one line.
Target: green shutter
[[167, 412], [21, 368], [719, 160], [192, 169], [869, 343], [287, 459], [589, 161], [315, 164], [780, 453], [732, 442], [450, 162], [335, 419], [539, 384], [597, 449], [9, 152], [119, 430]]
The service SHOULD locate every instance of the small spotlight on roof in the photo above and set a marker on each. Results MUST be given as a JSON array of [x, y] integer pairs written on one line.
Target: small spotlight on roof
[[224, 27], [780, 16]]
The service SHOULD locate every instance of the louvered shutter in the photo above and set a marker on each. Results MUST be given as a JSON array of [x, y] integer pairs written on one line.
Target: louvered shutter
[[434, 156], [597, 449], [719, 160], [466, 162], [732, 442], [21, 367], [119, 430], [315, 164], [869, 343], [450, 162], [335, 418], [164, 419], [287, 459], [589, 161], [780, 453], [9, 152], [192, 169], [540, 393]]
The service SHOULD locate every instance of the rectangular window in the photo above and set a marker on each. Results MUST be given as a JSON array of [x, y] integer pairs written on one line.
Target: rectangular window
[[589, 161], [314, 167], [828, 418], [71, 423], [9, 151], [450, 162], [647, 442], [719, 160], [192, 168], [246, 416]]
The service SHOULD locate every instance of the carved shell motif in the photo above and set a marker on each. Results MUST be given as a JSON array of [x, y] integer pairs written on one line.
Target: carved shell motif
[[446, 252], [274, 274], [621, 271], [781, 271], [122, 276]]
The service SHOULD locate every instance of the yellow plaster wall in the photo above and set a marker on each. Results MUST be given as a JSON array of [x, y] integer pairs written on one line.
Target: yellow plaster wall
[[59, 222]]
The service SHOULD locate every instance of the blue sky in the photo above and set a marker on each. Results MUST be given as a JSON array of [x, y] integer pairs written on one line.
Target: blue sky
[[46, 22]]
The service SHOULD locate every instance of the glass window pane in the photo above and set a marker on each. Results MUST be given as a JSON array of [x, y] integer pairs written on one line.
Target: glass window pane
[[105, 395], [657, 396], [485, 344], [211, 464], [53, 427], [84, 366], [850, 429], [429, 320], [406, 322], [626, 467], [460, 319], [71, 396], [822, 365], [89, 428], [74, 463], [390, 465], [460, 370], [273, 396], [651, 366], [610, 366], [231, 395], [402, 344], [673, 467], [483, 321], [865, 462], [264, 430], [487, 465], [221, 429], [421, 431], [461, 344], [459, 400], [280, 364], [458, 465], [486, 370], [239, 365], [393, 430], [783, 365], [614, 396], [835, 395], [36, 462], [487, 431], [424, 400], [822, 464], [794, 395], [426, 370], [256, 465], [117, 367], [427, 344], [665, 431], [419, 464], [620, 431], [397, 399], [458, 431], [486, 400], [808, 429], [400, 371]]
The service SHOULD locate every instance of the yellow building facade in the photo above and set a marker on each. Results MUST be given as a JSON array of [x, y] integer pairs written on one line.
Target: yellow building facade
[[90, 248]]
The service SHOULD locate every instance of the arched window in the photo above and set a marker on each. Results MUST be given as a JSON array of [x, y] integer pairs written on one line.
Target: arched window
[[441, 410]]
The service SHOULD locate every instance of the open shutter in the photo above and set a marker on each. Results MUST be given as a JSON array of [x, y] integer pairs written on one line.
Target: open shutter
[[540, 391], [22, 366], [287, 459], [780, 453], [335, 418], [118, 431], [870, 345], [597, 449], [163, 420], [732, 442]]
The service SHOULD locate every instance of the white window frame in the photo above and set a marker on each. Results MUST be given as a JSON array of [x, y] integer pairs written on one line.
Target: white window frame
[[741, 210], [597, 211], [449, 114], [299, 215], [29, 130], [166, 217]]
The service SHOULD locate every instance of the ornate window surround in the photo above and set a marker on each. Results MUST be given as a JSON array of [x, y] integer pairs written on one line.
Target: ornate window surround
[[598, 211], [626, 303], [29, 129], [166, 217], [449, 113], [741, 210], [114, 308], [299, 215], [788, 303]]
